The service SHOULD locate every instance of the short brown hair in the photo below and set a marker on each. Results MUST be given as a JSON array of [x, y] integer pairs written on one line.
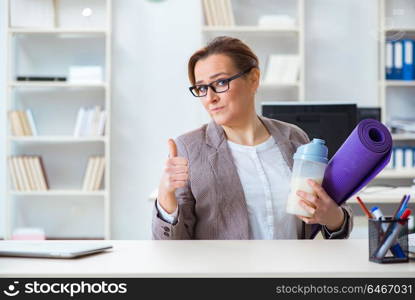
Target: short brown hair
[[240, 53]]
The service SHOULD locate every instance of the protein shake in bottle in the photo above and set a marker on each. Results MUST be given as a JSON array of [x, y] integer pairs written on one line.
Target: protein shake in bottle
[[310, 162]]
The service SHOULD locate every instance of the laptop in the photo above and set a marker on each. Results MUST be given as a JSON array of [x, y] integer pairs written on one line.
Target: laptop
[[51, 249]]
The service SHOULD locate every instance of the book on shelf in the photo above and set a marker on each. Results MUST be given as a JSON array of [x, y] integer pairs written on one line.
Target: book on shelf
[[86, 74], [22, 123], [282, 69], [90, 122], [94, 173], [277, 21], [218, 13], [27, 173]]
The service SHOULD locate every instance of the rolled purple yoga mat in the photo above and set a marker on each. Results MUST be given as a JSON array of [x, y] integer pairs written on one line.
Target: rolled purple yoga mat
[[361, 157]]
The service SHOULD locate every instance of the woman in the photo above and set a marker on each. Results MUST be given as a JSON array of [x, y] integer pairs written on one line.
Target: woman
[[230, 178]]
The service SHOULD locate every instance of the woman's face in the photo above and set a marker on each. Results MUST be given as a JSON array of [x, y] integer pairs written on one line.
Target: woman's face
[[237, 103]]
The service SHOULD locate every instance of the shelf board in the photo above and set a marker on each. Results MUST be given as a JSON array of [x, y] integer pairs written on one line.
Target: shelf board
[[57, 84], [77, 31], [396, 174], [59, 193], [248, 29], [57, 139], [403, 136], [381, 195], [408, 29], [410, 83]]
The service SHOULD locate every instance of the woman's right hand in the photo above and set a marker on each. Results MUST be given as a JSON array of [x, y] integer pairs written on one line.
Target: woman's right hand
[[175, 175]]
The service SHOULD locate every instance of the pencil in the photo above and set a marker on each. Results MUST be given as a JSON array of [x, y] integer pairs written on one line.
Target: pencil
[[364, 208]]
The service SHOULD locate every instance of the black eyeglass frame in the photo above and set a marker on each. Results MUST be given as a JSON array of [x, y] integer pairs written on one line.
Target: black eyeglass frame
[[228, 80]]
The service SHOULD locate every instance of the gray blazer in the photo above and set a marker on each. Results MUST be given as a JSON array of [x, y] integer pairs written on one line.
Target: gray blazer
[[212, 204]]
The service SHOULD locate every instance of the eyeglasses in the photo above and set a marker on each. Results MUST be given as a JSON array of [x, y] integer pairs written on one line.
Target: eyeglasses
[[218, 86]]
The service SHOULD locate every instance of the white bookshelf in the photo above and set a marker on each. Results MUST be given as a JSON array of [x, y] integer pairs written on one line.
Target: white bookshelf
[[396, 21], [266, 40], [401, 83], [55, 135]]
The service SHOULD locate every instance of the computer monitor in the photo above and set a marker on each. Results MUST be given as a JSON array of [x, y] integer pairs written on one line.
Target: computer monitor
[[332, 122], [368, 113]]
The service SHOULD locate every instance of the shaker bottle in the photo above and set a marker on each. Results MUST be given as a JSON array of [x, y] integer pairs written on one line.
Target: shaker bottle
[[310, 161]]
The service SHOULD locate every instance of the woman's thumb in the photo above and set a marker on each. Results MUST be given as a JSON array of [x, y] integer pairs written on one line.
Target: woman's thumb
[[172, 148]]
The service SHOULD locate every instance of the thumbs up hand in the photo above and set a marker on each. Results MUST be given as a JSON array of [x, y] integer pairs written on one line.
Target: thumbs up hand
[[175, 175]]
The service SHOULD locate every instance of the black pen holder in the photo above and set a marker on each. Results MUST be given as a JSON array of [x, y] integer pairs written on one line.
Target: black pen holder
[[379, 232]]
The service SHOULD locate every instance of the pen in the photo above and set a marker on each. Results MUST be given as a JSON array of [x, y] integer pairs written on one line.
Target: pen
[[395, 249], [364, 208], [390, 239], [395, 215], [404, 205]]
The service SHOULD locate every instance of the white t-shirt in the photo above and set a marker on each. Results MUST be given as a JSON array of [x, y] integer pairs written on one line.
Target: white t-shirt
[[265, 178]]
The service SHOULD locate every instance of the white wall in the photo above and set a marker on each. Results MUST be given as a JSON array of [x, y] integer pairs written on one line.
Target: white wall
[[152, 42], [341, 46], [3, 120], [150, 101]]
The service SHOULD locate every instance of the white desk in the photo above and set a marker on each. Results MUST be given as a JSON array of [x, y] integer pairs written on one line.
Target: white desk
[[294, 258]]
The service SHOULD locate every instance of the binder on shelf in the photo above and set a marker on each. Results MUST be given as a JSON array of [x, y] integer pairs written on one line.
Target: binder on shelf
[[408, 69], [389, 60], [408, 158], [397, 60], [403, 158]]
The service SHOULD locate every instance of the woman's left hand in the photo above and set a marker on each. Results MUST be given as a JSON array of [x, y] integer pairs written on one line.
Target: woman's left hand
[[323, 208]]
